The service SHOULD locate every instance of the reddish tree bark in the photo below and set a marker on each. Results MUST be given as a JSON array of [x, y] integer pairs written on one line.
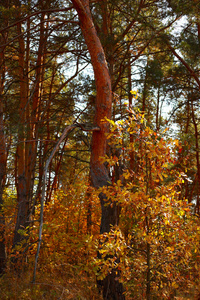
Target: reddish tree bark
[[28, 128], [111, 287], [35, 110]]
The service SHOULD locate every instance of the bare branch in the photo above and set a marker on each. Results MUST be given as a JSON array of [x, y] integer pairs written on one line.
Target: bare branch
[[35, 14], [65, 134]]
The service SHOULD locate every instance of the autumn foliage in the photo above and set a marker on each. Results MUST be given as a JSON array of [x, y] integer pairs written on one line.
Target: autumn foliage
[[99, 149], [155, 248]]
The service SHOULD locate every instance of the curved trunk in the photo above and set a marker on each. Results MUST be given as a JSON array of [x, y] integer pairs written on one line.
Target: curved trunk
[[111, 287]]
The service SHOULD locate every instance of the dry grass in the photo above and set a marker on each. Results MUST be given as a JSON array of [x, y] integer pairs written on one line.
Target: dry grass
[[61, 283]]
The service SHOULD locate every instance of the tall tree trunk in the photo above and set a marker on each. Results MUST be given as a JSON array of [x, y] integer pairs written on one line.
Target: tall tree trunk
[[23, 206], [112, 288], [28, 129], [36, 106], [3, 159], [197, 154], [130, 100]]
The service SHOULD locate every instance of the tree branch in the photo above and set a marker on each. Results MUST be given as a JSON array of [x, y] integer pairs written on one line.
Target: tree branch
[[65, 134], [191, 71], [35, 14]]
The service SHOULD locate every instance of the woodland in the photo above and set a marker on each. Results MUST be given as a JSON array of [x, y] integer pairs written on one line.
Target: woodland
[[99, 149]]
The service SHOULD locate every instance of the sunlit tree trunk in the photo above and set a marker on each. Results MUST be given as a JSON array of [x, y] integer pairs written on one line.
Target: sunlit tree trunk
[[112, 288]]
